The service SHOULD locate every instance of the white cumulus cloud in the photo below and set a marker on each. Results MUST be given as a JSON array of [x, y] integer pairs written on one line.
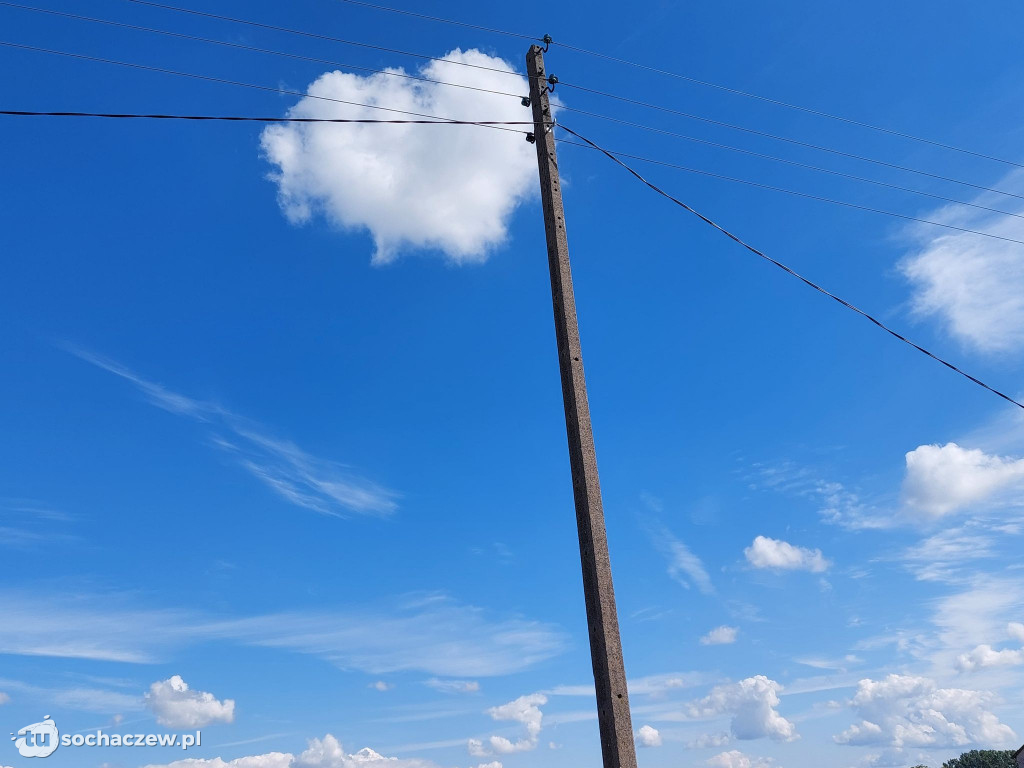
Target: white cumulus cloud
[[985, 656], [525, 710], [648, 736], [752, 705], [905, 711], [736, 759], [448, 188], [943, 479], [320, 753], [720, 636], [781, 555], [973, 285], [178, 706]]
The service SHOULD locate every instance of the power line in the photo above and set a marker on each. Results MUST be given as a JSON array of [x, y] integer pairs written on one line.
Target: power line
[[788, 105], [806, 166], [255, 119], [735, 238], [255, 49], [593, 91], [225, 81], [443, 20], [764, 134], [688, 78], [317, 36], [807, 195]]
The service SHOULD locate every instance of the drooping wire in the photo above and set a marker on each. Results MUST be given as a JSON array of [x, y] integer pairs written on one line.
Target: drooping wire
[[807, 195], [256, 119], [241, 46], [793, 273], [764, 134], [224, 81], [317, 36]]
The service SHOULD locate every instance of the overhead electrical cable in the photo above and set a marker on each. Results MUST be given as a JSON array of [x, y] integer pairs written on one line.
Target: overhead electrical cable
[[576, 86], [807, 195], [444, 21], [392, 73], [775, 137], [240, 46], [697, 81], [224, 81], [789, 105], [808, 166], [735, 238], [318, 36], [257, 119]]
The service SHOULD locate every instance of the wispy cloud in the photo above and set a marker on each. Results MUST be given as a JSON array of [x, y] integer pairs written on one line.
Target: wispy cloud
[[79, 698], [944, 555], [437, 636], [321, 485], [836, 503], [839, 665], [974, 286], [27, 524], [683, 566]]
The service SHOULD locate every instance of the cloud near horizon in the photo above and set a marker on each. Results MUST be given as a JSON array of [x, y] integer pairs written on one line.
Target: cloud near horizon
[[320, 753]]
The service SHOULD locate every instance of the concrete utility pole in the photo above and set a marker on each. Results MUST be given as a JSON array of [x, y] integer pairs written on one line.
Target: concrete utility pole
[[605, 647]]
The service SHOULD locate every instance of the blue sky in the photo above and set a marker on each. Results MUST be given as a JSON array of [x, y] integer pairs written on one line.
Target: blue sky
[[282, 414]]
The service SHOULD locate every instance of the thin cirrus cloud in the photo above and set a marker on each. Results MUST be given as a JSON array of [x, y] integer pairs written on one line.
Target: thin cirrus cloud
[[683, 565], [321, 485], [78, 698], [435, 635], [944, 556], [973, 285], [441, 187]]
